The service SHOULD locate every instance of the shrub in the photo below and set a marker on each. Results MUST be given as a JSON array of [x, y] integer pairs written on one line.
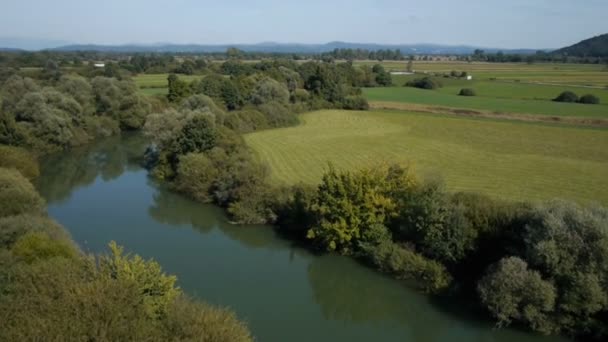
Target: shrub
[[195, 176], [439, 227], [424, 83], [510, 291], [39, 246], [20, 159], [17, 194], [347, 204], [12, 228], [467, 92], [566, 96], [355, 103], [589, 99], [188, 320], [405, 264]]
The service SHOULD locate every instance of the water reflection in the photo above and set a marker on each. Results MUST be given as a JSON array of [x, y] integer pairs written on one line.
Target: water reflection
[[109, 159]]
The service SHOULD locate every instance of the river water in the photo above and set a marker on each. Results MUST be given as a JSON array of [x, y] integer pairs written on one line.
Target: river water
[[284, 293]]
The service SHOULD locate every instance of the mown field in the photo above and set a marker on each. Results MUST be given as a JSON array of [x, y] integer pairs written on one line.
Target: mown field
[[495, 97], [152, 84], [511, 160], [554, 73]]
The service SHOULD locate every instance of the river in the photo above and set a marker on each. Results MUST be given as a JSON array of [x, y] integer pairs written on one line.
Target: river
[[100, 193]]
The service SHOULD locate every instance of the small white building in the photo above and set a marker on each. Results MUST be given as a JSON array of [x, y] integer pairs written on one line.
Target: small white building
[[99, 65], [469, 78]]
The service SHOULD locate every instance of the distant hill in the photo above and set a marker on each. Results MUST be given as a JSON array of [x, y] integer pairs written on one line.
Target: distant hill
[[592, 47], [271, 47]]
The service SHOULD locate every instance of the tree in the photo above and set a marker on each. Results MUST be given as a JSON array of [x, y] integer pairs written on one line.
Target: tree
[[268, 90], [569, 244], [467, 92], [410, 64], [178, 89], [348, 204], [430, 220], [566, 96], [197, 135], [589, 99], [511, 291], [18, 195], [20, 159]]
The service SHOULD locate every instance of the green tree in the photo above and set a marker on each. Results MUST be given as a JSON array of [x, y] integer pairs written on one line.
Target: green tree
[[17, 194], [178, 89], [348, 204], [510, 291]]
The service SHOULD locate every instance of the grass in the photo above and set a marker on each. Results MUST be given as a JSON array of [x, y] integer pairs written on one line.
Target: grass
[[512, 160], [555, 73], [510, 104], [159, 80]]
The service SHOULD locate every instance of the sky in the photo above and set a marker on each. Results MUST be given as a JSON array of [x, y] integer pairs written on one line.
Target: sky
[[485, 23]]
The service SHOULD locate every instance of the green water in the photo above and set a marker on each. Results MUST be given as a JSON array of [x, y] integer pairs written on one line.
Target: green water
[[100, 193]]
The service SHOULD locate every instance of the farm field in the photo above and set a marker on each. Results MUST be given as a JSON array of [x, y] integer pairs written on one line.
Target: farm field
[[159, 80], [509, 160], [555, 73], [502, 99]]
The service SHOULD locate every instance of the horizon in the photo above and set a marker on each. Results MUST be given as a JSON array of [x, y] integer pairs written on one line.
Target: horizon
[[478, 23]]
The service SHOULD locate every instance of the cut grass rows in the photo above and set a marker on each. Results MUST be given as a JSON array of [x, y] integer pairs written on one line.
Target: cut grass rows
[[504, 159], [501, 105]]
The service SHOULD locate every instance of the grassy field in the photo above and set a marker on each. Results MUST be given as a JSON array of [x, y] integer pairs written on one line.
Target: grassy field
[[159, 80], [554, 73], [504, 159], [502, 98]]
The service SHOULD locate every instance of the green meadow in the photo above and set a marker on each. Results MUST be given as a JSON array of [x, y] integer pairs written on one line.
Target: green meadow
[[512, 160], [496, 97]]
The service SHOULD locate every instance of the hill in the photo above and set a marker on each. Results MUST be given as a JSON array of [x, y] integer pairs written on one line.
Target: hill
[[592, 47], [272, 47]]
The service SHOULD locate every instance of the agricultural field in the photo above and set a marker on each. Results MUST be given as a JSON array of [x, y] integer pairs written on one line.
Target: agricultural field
[[506, 159], [594, 75], [152, 84], [496, 97]]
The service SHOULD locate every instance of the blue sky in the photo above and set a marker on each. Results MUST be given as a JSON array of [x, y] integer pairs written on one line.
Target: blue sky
[[489, 23]]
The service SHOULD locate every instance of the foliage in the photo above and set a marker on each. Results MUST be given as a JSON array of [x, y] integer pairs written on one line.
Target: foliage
[[467, 92], [405, 264], [39, 246], [178, 89], [429, 219], [424, 83], [17, 194], [511, 291], [589, 99], [355, 103], [348, 204], [566, 96], [268, 90], [12, 228], [195, 176], [20, 159]]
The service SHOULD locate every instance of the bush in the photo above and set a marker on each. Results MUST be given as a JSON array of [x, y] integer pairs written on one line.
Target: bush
[[467, 92], [17, 194], [39, 246], [510, 291], [424, 83], [20, 159], [355, 103], [589, 99], [195, 176], [405, 264], [12, 228], [566, 96]]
